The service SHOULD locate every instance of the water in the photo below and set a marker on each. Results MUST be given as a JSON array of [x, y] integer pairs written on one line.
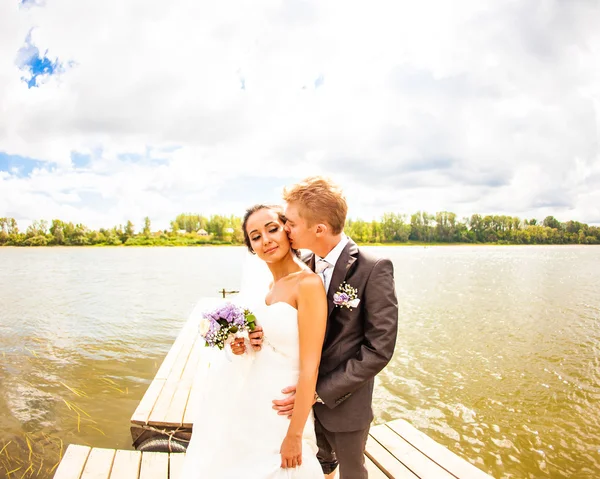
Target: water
[[498, 353]]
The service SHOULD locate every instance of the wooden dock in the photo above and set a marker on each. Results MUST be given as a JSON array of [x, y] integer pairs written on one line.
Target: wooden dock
[[82, 462], [394, 450], [161, 427]]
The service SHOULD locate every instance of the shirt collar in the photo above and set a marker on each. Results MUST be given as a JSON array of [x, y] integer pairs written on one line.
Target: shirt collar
[[336, 252]]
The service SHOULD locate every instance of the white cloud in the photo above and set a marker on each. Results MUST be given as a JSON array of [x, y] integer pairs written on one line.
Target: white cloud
[[487, 107]]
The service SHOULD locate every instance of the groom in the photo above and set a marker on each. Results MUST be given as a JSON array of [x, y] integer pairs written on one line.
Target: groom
[[359, 339]]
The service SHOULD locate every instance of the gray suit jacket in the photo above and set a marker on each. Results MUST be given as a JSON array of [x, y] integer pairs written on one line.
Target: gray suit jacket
[[359, 342]]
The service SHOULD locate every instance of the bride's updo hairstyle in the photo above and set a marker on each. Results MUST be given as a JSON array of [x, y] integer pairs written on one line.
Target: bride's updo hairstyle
[[250, 211]]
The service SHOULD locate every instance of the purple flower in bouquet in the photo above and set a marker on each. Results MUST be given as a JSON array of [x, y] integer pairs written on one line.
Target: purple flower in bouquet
[[221, 325]]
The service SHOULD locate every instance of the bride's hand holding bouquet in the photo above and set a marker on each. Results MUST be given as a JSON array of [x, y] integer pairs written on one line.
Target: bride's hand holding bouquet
[[225, 324]]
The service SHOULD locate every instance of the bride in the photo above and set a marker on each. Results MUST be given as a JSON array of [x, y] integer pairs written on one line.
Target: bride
[[236, 432]]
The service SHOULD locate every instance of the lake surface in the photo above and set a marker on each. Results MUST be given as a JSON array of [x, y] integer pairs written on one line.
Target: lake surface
[[498, 352]]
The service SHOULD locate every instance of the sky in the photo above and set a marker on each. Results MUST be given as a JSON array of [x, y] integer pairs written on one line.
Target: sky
[[114, 110]]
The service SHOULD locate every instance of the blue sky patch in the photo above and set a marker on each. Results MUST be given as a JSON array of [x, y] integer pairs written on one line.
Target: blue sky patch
[[79, 160], [20, 166], [35, 64], [146, 158], [130, 157], [31, 3], [168, 149]]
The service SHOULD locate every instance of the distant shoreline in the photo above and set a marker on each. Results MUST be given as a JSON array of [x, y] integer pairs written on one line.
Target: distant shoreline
[[423, 229], [209, 245]]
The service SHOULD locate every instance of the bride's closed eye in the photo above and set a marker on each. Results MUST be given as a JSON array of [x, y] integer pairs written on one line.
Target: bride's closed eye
[[273, 229]]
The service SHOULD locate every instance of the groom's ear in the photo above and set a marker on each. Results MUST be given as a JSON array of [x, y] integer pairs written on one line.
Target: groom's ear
[[321, 229]]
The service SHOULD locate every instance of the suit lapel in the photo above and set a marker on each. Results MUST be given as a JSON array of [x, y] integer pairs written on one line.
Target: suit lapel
[[342, 266]]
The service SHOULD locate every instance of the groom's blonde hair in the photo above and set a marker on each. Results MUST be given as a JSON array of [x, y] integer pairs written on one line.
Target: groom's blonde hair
[[319, 199]]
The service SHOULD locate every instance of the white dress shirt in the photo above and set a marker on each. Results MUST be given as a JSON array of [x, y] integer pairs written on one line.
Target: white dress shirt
[[332, 258]]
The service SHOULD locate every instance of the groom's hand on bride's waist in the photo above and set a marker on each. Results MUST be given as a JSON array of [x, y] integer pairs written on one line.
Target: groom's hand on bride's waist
[[285, 407]]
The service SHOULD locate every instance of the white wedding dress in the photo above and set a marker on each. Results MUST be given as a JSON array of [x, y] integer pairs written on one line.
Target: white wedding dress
[[237, 433]]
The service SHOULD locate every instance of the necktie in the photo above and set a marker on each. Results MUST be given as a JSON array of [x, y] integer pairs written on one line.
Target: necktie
[[320, 269]]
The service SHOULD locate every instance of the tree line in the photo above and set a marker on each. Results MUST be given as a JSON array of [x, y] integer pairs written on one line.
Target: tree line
[[420, 227]]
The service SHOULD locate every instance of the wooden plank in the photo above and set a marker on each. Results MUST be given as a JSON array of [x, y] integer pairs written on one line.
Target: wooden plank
[[182, 359], [73, 462], [164, 412], [165, 368], [192, 364], [99, 463], [447, 459], [162, 405], [374, 471], [146, 405], [387, 462], [155, 465], [176, 465], [126, 465], [191, 406], [412, 458], [189, 375], [176, 411], [185, 340]]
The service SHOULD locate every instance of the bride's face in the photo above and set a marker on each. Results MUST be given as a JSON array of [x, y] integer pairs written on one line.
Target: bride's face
[[267, 236]]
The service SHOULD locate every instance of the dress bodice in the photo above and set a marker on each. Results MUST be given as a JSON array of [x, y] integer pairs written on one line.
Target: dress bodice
[[281, 341]]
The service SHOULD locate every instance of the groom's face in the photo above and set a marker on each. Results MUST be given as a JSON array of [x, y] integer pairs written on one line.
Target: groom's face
[[297, 229]]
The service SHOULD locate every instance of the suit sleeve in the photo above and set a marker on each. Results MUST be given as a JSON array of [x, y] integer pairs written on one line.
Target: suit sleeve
[[380, 311]]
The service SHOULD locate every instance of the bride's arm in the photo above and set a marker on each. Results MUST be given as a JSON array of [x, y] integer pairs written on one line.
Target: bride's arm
[[312, 319]]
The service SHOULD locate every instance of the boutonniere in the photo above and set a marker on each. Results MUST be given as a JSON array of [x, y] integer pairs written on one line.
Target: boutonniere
[[346, 296]]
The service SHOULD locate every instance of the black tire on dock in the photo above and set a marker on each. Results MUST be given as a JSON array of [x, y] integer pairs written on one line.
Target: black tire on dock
[[162, 444]]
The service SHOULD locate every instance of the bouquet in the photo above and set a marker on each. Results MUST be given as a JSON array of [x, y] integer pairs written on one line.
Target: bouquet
[[221, 325]]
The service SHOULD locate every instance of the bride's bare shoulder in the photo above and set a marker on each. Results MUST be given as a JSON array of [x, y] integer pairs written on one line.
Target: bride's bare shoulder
[[308, 278]]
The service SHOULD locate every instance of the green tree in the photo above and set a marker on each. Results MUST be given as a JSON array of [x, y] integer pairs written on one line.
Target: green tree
[[375, 232], [189, 222], [113, 236], [146, 231], [57, 232], [3, 230], [235, 222], [217, 225], [79, 236], [445, 226], [393, 228], [358, 230], [551, 222], [38, 240], [417, 227], [477, 227], [15, 238], [126, 233]]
